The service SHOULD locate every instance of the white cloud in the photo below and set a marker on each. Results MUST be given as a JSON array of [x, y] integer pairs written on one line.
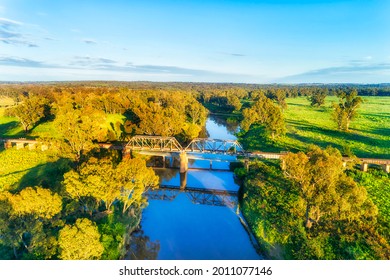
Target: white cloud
[[11, 33]]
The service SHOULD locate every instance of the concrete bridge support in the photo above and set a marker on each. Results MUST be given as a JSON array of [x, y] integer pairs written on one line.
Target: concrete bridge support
[[163, 160], [364, 166], [31, 146], [183, 162], [7, 144], [19, 146], [386, 168]]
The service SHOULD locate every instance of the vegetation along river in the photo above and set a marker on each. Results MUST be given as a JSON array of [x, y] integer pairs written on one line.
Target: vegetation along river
[[185, 224]]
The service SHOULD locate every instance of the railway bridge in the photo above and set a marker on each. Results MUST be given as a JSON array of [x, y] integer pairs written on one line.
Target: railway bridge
[[170, 147]]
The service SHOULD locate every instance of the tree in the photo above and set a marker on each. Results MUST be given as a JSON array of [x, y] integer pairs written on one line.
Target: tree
[[327, 194], [29, 222], [157, 120], [79, 128], [234, 102], [317, 99], [279, 95], [39, 202], [196, 113], [29, 111], [264, 112], [105, 183], [135, 179], [80, 241], [345, 110], [95, 179]]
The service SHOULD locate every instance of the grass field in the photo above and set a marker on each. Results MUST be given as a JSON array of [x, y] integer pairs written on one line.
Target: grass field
[[21, 168], [377, 184], [369, 134]]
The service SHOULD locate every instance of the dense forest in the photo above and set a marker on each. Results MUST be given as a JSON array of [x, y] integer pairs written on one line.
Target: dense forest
[[82, 202]]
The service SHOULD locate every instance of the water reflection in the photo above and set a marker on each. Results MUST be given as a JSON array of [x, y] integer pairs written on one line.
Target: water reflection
[[188, 231], [221, 128], [197, 196], [141, 248], [202, 179]]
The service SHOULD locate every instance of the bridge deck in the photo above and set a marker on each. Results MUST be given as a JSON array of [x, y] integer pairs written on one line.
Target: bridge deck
[[158, 144]]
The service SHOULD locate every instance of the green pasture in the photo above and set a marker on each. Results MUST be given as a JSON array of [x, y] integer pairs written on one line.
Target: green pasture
[[369, 134], [24, 167]]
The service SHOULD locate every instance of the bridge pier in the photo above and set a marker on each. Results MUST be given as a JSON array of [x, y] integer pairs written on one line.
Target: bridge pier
[[386, 168], [126, 152], [19, 146], [31, 146], [183, 162], [364, 166], [7, 144]]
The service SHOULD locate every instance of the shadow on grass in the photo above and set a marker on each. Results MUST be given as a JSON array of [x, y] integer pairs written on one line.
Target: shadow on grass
[[375, 116], [6, 128], [254, 140], [48, 175], [380, 131]]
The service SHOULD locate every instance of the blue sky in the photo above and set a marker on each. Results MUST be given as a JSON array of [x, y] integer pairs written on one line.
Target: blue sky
[[198, 41]]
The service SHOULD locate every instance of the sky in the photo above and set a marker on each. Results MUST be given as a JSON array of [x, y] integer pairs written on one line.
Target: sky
[[246, 41]]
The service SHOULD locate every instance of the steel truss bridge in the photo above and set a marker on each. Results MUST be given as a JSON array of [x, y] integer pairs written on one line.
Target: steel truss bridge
[[196, 195], [154, 143], [197, 145]]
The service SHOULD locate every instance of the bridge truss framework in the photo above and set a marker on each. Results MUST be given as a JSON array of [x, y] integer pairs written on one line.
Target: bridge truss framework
[[197, 145], [154, 143]]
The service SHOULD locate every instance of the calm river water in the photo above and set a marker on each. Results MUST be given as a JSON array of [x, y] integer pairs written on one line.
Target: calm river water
[[182, 227]]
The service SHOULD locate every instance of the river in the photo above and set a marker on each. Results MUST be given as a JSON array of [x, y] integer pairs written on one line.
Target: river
[[187, 225]]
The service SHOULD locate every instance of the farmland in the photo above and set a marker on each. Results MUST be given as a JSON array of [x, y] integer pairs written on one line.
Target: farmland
[[369, 134]]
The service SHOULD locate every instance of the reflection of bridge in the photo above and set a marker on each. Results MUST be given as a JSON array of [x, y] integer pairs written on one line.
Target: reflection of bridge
[[196, 195]]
